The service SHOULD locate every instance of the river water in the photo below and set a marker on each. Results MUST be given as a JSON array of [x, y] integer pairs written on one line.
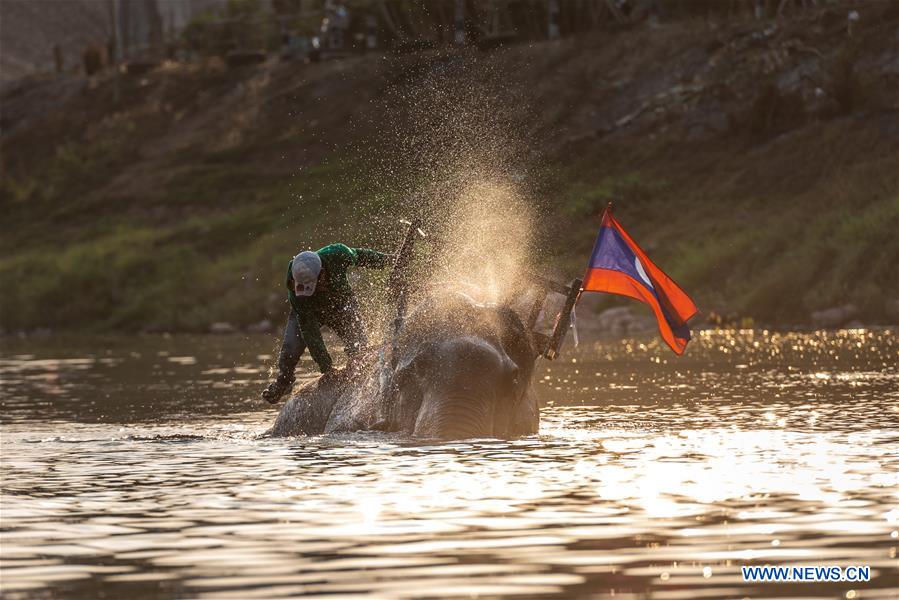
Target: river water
[[132, 468]]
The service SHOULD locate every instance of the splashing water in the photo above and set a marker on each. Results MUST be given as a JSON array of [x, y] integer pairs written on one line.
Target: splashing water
[[453, 150], [487, 240]]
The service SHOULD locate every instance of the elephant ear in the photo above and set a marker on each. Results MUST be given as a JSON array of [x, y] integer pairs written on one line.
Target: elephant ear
[[405, 386], [414, 364], [518, 344]]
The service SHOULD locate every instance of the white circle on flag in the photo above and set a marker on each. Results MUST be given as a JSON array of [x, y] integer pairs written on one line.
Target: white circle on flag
[[641, 272]]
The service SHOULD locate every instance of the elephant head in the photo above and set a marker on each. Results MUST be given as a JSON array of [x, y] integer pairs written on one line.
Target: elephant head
[[463, 370]]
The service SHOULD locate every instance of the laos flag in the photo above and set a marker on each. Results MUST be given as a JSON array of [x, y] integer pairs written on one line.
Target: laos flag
[[619, 266]]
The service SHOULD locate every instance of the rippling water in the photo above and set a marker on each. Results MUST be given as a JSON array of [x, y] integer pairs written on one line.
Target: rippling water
[[132, 468]]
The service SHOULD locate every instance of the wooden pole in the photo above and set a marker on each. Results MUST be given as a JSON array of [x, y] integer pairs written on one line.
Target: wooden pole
[[398, 282], [57, 58]]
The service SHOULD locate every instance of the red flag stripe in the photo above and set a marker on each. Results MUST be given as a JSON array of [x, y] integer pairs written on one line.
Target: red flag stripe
[[616, 282]]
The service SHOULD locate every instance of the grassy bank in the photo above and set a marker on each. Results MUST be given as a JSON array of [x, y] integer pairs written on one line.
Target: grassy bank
[[805, 222], [173, 201]]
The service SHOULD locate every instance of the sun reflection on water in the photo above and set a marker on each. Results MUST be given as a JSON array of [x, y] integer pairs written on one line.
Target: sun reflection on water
[[646, 479]]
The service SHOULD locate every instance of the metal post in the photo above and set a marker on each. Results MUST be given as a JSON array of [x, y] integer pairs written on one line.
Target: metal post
[[552, 11], [459, 37], [563, 321]]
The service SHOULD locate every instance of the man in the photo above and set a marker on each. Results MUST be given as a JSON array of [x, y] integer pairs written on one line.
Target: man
[[320, 294]]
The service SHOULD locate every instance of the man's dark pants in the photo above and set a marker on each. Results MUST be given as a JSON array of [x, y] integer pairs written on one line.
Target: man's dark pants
[[345, 321]]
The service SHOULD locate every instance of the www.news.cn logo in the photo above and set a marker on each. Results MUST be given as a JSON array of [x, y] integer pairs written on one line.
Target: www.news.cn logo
[[811, 573]]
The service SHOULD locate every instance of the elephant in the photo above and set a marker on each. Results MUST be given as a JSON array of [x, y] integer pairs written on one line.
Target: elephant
[[456, 369]]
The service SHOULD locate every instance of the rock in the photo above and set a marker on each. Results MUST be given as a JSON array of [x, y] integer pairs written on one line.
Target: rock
[[263, 326], [588, 305], [619, 321], [222, 327], [833, 317], [139, 67], [622, 321], [614, 320]]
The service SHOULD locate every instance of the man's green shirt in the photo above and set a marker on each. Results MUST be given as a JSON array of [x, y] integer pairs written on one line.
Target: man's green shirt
[[324, 306]]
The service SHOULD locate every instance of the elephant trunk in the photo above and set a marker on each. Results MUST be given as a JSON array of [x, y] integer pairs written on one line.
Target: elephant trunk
[[457, 414]]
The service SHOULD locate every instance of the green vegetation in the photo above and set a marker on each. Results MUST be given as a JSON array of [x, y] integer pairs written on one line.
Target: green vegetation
[[127, 273], [173, 202], [239, 24], [775, 234]]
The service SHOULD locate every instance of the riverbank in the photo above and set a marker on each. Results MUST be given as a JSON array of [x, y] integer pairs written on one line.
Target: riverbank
[[755, 162]]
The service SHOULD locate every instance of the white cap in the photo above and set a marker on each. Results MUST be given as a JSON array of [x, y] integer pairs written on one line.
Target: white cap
[[305, 269]]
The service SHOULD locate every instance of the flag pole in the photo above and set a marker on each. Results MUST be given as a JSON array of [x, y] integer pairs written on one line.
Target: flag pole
[[564, 320], [607, 211], [602, 219]]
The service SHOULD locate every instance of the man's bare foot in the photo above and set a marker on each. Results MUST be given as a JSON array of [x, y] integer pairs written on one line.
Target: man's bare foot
[[282, 385]]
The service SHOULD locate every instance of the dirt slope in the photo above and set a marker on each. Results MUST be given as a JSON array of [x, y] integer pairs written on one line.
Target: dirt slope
[[755, 161]]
